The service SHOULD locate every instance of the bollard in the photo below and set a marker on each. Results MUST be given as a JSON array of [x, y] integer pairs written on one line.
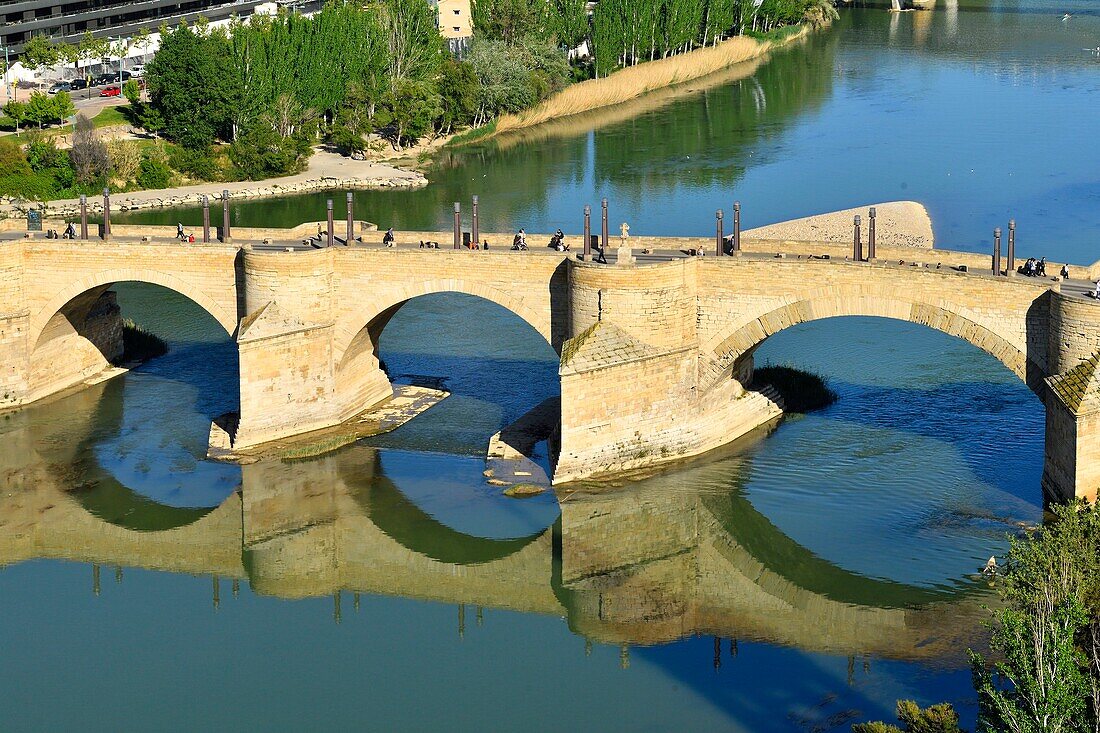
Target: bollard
[[1011, 269], [603, 231], [83, 216], [106, 214], [718, 233], [587, 233], [331, 223], [871, 234], [458, 225], [736, 226], [205, 218], [857, 242], [226, 234], [997, 251], [351, 220], [475, 230]]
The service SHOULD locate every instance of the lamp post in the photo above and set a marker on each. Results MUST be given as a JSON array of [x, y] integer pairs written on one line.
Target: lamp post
[[997, 251], [1011, 247], [736, 226], [587, 233], [106, 214], [351, 219], [475, 230], [857, 241], [871, 234], [718, 233], [226, 234]]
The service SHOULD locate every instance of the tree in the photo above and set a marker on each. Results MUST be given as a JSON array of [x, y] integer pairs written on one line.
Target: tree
[[353, 121], [459, 93], [17, 112], [1044, 639], [153, 172], [569, 20], [508, 20], [191, 89], [261, 152], [91, 163], [414, 44], [132, 91], [414, 105], [40, 52], [88, 49], [43, 109]]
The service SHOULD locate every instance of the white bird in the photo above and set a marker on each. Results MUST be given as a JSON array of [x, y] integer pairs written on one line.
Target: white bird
[[1066, 17]]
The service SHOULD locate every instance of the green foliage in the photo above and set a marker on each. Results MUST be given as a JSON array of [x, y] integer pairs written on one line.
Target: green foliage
[[801, 391], [40, 52], [132, 91], [12, 160], [414, 106], [49, 162], [154, 172], [194, 99], [508, 20], [261, 152], [44, 109], [940, 718], [16, 111], [1046, 641], [198, 163], [506, 83], [459, 92], [139, 344]]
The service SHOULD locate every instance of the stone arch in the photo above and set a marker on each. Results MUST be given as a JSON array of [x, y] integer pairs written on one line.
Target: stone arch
[[729, 347], [383, 307], [106, 278], [360, 379]]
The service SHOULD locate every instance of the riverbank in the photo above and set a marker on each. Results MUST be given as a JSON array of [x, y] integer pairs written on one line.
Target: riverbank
[[325, 171], [633, 82]]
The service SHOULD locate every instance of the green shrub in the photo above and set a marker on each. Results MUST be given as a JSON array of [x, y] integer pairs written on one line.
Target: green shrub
[[12, 160], [196, 163], [154, 173]]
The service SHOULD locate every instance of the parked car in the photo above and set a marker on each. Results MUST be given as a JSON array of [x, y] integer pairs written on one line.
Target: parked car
[[104, 79], [78, 84], [61, 86], [138, 70], [111, 91]]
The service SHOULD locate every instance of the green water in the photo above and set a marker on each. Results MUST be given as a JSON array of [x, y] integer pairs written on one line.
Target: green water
[[800, 580]]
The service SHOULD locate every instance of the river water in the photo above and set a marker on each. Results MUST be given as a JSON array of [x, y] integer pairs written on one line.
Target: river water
[[800, 580]]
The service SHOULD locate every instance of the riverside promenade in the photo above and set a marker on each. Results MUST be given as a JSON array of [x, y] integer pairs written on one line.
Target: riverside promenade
[[656, 345]]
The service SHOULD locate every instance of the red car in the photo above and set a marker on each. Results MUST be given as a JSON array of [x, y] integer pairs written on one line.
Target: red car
[[112, 91]]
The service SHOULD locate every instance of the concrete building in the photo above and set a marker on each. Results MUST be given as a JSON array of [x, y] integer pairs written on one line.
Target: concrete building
[[68, 20], [456, 22]]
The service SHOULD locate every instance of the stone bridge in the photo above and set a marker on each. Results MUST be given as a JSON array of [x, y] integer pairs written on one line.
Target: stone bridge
[[655, 355]]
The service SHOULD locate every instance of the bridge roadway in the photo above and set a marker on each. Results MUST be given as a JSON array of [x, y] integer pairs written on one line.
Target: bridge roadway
[[644, 566], [656, 355]]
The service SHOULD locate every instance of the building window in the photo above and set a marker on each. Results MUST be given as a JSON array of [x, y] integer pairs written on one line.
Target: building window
[[458, 12]]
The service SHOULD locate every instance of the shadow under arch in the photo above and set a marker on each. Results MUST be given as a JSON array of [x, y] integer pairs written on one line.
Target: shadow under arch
[[414, 529], [99, 282], [731, 346]]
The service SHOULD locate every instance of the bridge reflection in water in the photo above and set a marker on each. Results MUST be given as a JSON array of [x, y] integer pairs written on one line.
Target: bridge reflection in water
[[648, 564]]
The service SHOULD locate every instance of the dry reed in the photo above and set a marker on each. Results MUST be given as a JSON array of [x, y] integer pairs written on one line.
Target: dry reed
[[634, 81]]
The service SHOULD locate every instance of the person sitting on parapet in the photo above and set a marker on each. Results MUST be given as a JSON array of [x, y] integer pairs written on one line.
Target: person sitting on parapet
[[1029, 267], [70, 231], [388, 238]]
